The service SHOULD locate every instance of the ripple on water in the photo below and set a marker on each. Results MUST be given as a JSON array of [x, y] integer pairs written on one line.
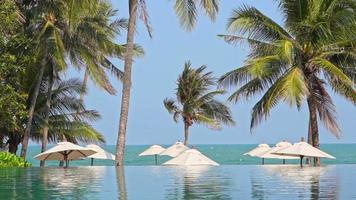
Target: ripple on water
[[159, 182]]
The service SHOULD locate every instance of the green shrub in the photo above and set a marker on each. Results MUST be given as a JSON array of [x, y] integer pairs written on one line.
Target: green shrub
[[10, 160]]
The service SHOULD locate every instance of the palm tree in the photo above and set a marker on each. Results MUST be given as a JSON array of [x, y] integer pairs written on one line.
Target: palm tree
[[186, 10], [50, 47], [81, 33], [67, 115], [296, 62], [89, 39], [198, 103]]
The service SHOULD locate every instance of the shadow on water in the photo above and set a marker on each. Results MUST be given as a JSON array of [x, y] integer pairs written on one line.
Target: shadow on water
[[121, 183], [291, 182], [199, 183]]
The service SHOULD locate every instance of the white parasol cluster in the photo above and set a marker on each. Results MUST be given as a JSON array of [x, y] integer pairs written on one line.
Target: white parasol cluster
[[66, 151]]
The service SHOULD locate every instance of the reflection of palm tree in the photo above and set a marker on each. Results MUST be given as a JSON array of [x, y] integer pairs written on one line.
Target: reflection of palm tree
[[121, 184], [257, 189]]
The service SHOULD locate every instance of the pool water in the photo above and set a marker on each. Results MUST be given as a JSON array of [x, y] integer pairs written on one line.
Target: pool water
[[162, 182]]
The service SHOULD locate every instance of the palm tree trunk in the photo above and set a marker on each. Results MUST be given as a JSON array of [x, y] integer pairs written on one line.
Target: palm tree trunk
[[45, 128], [26, 135], [85, 83], [121, 140], [313, 120], [186, 133]]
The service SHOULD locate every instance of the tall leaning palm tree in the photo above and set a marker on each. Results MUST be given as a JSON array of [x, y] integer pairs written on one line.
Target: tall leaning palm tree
[[197, 101], [313, 50], [186, 10], [49, 48]]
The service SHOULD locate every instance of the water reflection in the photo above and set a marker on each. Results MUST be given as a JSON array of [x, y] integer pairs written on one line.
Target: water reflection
[[284, 181], [121, 183], [50, 183], [157, 182], [198, 182]]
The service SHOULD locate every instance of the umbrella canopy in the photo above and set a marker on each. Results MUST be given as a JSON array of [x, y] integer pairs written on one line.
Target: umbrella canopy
[[279, 146], [100, 153], [259, 150], [174, 150], [191, 157], [305, 150], [152, 150], [65, 151]]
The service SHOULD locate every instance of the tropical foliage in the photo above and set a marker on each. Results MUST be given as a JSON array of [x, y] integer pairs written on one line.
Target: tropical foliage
[[68, 117], [313, 51], [39, 41], [196, 102], [187, 11], [11, 160], [77, 31]]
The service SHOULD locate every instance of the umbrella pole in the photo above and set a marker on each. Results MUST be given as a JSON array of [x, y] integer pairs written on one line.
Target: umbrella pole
[[92, 161], [301, 161], [156, 159], [263, 161], [284, 161]]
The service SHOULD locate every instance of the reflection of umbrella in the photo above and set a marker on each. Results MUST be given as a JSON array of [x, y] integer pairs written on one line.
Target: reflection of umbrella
[[152, 150], [174, 150], [100, 153], [292, 173], [279, 146], [191, 157], [258, 151], [303, 149], [65, 151]]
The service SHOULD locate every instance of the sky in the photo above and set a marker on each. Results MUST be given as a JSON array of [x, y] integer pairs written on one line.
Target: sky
[[154, 78]]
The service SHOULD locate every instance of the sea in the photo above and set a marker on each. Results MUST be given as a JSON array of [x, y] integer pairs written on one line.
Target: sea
[[224, 154]]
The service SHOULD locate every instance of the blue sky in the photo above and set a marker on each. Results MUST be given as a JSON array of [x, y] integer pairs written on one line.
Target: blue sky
[[154, 78]]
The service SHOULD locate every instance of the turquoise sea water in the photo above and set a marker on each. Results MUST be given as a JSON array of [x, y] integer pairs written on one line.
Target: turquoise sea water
[[163, 182], [223, 154]]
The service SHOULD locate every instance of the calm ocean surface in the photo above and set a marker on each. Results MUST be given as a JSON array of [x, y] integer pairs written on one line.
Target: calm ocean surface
[[223, 154]]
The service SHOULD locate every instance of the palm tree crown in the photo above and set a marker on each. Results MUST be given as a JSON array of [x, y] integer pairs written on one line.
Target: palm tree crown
[[198, 103]]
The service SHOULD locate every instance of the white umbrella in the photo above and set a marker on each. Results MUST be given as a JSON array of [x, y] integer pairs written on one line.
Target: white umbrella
[[153, 150], [303, 149], [191, 157], [100, 153], [174, 150], [65, 151], [258, 151], [279, 146]]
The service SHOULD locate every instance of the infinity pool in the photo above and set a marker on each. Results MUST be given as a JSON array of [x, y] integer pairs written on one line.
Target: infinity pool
[[159, 182]]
